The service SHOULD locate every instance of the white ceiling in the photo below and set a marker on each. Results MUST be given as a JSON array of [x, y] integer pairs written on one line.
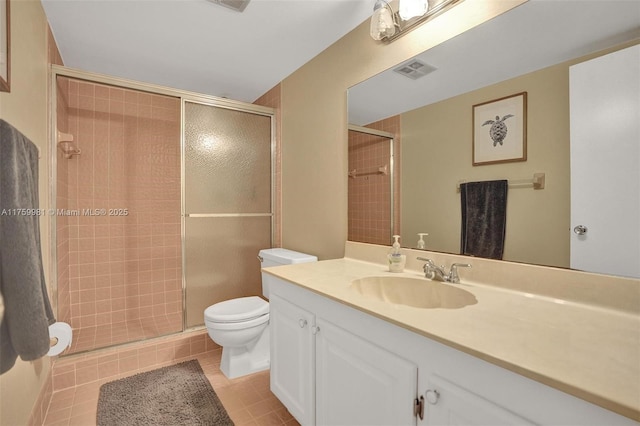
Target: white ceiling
[[197, 45], [535, 35]]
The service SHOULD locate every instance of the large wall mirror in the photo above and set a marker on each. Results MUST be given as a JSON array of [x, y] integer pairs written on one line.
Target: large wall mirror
[[529, 49]]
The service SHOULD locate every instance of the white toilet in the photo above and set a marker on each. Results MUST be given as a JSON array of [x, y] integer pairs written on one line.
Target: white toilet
[[240, 325]]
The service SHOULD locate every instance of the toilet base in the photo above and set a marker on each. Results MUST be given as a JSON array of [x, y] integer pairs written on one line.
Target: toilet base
[[240, 361]]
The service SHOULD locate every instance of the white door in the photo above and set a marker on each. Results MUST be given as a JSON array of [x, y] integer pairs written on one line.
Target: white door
[[292, 358], [447, 404], [359, 383], [605, 158]]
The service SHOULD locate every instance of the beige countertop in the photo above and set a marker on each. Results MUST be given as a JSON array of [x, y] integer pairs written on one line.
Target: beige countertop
[[589, 351]]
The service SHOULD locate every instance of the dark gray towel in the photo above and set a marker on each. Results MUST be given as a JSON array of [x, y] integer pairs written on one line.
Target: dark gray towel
[[27, 310], [484, 218]]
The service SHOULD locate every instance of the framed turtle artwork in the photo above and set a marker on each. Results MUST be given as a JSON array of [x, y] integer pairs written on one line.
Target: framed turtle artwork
[[500, 130]]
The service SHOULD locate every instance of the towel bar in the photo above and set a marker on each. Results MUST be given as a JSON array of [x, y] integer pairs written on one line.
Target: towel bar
[[537, 182], [382, 170]]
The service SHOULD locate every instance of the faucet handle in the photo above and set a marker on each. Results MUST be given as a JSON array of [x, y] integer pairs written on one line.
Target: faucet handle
[[428, 263], [453, 274], [431, 270]]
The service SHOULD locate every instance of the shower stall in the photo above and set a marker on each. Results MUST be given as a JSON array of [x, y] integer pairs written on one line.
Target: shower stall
[[162, 198]]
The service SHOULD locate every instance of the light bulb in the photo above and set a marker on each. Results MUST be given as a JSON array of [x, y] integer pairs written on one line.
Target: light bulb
[[382, 24], [411, 8]]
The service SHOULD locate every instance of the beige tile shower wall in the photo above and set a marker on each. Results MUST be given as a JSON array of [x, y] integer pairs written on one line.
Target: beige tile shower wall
[[124, 262], [369, 205], [273, 99]]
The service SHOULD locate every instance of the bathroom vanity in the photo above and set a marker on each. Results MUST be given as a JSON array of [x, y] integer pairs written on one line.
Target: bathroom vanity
[[345, 354]]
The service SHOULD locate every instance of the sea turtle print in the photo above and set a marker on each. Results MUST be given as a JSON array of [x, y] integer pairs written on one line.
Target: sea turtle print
[[498, 130]]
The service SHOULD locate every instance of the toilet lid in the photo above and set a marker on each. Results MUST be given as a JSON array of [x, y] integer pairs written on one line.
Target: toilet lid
[[234, 310]]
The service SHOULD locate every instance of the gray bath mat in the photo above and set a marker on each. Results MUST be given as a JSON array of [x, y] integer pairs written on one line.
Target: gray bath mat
[[176, 395]]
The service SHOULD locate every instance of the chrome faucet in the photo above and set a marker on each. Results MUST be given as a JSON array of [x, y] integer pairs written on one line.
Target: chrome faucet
[[437, 273]]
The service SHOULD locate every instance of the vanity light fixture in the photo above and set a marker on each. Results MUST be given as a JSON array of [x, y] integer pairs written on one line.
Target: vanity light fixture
[[383, 21], [408, 9], [392, 19]]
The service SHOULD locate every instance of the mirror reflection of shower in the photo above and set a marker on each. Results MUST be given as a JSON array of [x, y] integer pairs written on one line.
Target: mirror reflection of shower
[[372, 182]]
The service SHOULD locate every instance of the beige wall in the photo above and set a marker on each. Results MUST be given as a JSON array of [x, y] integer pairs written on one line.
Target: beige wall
[[273, 99], [437, 154], [314, 123], [25, 107]]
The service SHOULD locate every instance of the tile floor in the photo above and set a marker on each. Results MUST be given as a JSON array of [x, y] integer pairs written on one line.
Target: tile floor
[[248, 399], [90, 338]]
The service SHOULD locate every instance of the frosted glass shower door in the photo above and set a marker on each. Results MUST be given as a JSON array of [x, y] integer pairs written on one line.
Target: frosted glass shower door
[[227, 204]]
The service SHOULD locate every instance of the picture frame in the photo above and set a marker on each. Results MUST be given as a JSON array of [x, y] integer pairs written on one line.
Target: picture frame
[[5, 47], [500, 130]]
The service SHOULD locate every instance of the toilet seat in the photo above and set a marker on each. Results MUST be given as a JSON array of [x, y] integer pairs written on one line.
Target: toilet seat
[[242, 309]]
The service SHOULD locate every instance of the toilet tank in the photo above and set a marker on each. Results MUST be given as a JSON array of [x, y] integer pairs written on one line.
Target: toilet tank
[[278, 257]]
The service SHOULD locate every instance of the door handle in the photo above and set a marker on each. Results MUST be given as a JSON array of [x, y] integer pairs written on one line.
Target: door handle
[[580, 230]]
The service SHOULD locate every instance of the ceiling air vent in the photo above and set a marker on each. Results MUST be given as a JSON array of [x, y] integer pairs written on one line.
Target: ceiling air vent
[[237, 5], [414, 69]]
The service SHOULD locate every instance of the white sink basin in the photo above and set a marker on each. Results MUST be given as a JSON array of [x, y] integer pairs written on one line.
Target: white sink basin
[[415, 292]]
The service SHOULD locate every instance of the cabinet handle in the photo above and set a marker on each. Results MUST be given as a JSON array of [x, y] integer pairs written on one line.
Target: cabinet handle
[[302, 322], [418, 407], [432, 396], [315, 329]]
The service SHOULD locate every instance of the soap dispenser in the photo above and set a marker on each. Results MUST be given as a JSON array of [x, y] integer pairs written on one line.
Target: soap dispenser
[[421, 245], [395, 257]]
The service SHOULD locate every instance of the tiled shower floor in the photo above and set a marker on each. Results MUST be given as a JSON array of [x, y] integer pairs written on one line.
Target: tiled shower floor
[[248, 399], [90, 338]]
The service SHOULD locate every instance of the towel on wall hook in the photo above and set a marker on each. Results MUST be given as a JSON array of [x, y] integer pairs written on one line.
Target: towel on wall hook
[[24, 330]]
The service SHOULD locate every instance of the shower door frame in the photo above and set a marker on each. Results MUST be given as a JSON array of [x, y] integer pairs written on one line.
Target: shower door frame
[[211, 101], [183, 96]]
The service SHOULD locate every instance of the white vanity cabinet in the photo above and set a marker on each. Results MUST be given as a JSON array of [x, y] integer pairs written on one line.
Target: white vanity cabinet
[[332, 364], [448, 404], [326, 375], [292, 357], [359, 383]]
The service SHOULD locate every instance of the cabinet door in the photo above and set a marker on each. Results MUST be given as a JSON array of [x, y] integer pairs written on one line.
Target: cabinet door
[[292, 358], [454, 406], [359, 383]]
